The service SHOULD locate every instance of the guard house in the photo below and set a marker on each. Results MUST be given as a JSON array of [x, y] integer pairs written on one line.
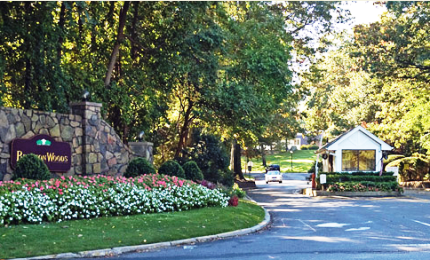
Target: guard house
[[355, 150]]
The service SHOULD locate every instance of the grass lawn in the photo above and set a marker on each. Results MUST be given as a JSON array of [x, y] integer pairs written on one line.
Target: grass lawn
[[301, 161], [107, 232]]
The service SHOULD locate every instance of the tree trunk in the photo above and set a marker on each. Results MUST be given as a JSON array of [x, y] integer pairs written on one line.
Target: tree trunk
[[120, 38], [235, 162], [61, 27], [134, 30], [183, 135], [263, 155]]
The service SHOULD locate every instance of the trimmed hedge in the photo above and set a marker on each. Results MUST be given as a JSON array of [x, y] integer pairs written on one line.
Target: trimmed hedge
[[192, 171], [360, 181], [359, 178], [139, 166], [365, 186], [172, 168]]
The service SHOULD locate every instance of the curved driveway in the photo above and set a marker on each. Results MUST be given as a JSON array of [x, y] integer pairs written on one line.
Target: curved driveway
[[320, 228]]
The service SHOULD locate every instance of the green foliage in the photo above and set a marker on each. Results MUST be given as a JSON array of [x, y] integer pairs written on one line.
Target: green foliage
[[172, 168], [312, 169], [333, 178], [411, 168], [391, 158], [233, 191], [210, 155], [31, 167], [309, 147], [226, 178], [192, 171], [139, 166]]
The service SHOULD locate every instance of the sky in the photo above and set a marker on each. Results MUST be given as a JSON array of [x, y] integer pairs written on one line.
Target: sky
[[364, 12]]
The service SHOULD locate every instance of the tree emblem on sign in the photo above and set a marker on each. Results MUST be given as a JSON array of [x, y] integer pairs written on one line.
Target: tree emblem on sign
[[43, 142]]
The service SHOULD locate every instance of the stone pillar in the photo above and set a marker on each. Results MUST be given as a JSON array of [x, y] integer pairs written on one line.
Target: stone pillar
[[91, 115], [142, 149]]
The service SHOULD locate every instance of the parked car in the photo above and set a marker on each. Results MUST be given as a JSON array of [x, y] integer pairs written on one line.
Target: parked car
[[273, 176], [273, 167]]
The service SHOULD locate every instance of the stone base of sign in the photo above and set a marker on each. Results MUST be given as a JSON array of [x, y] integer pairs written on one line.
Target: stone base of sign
[[94, 144], [315, 193]]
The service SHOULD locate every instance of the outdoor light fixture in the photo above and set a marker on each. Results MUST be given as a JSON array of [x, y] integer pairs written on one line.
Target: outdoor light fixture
[[85, 95], [140, 137]]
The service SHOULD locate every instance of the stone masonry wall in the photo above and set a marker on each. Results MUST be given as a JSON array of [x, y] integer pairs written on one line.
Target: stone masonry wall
[[96, 148]]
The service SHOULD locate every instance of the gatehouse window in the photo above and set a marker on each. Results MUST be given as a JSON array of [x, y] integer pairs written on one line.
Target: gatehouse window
[[358, 160]]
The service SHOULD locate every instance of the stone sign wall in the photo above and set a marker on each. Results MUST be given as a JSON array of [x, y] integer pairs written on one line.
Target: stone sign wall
[[96, 148]]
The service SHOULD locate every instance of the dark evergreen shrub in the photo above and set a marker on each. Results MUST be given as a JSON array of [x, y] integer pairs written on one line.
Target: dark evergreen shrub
[[31, 167], [192, 171], [172, 168], [227, 178], [210, 155], [139, 166]]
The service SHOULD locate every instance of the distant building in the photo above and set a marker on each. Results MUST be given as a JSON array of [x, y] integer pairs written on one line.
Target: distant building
[[300, 140]]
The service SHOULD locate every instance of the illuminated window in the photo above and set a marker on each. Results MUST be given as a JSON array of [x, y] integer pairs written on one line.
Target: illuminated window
[[358, 160]]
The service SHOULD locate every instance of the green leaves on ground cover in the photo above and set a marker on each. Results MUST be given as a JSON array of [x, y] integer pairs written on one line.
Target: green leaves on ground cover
[[108, 232]]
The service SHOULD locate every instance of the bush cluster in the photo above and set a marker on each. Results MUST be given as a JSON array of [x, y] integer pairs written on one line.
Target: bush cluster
[[309, 147], [31, 167]]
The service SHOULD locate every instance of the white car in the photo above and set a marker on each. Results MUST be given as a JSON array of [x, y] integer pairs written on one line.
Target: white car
[[273, 176]]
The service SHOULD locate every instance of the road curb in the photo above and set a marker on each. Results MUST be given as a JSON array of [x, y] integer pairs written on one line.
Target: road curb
[[149, 247]]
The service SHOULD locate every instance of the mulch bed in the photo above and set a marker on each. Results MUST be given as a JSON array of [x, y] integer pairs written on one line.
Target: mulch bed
[[245, 184]]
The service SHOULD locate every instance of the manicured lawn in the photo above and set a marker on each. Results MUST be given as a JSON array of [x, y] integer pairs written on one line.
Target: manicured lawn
[[301, 161], [107, 232]]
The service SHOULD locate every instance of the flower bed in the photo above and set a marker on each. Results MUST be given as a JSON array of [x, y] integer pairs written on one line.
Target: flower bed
[[88, 197]]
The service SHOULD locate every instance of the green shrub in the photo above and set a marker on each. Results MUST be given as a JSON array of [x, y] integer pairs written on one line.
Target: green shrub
[[411, 168], [211, 156], [309, 147], [333, 178], [139, 166], [226, 178], [31, 167], [192, 171], [365, 186], [312, 169], [172, 168]]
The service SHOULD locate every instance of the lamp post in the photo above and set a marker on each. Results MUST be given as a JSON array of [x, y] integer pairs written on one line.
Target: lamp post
[[291, 152]]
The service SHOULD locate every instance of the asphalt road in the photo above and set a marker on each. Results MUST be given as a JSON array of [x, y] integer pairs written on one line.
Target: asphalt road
[[320, 228]]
